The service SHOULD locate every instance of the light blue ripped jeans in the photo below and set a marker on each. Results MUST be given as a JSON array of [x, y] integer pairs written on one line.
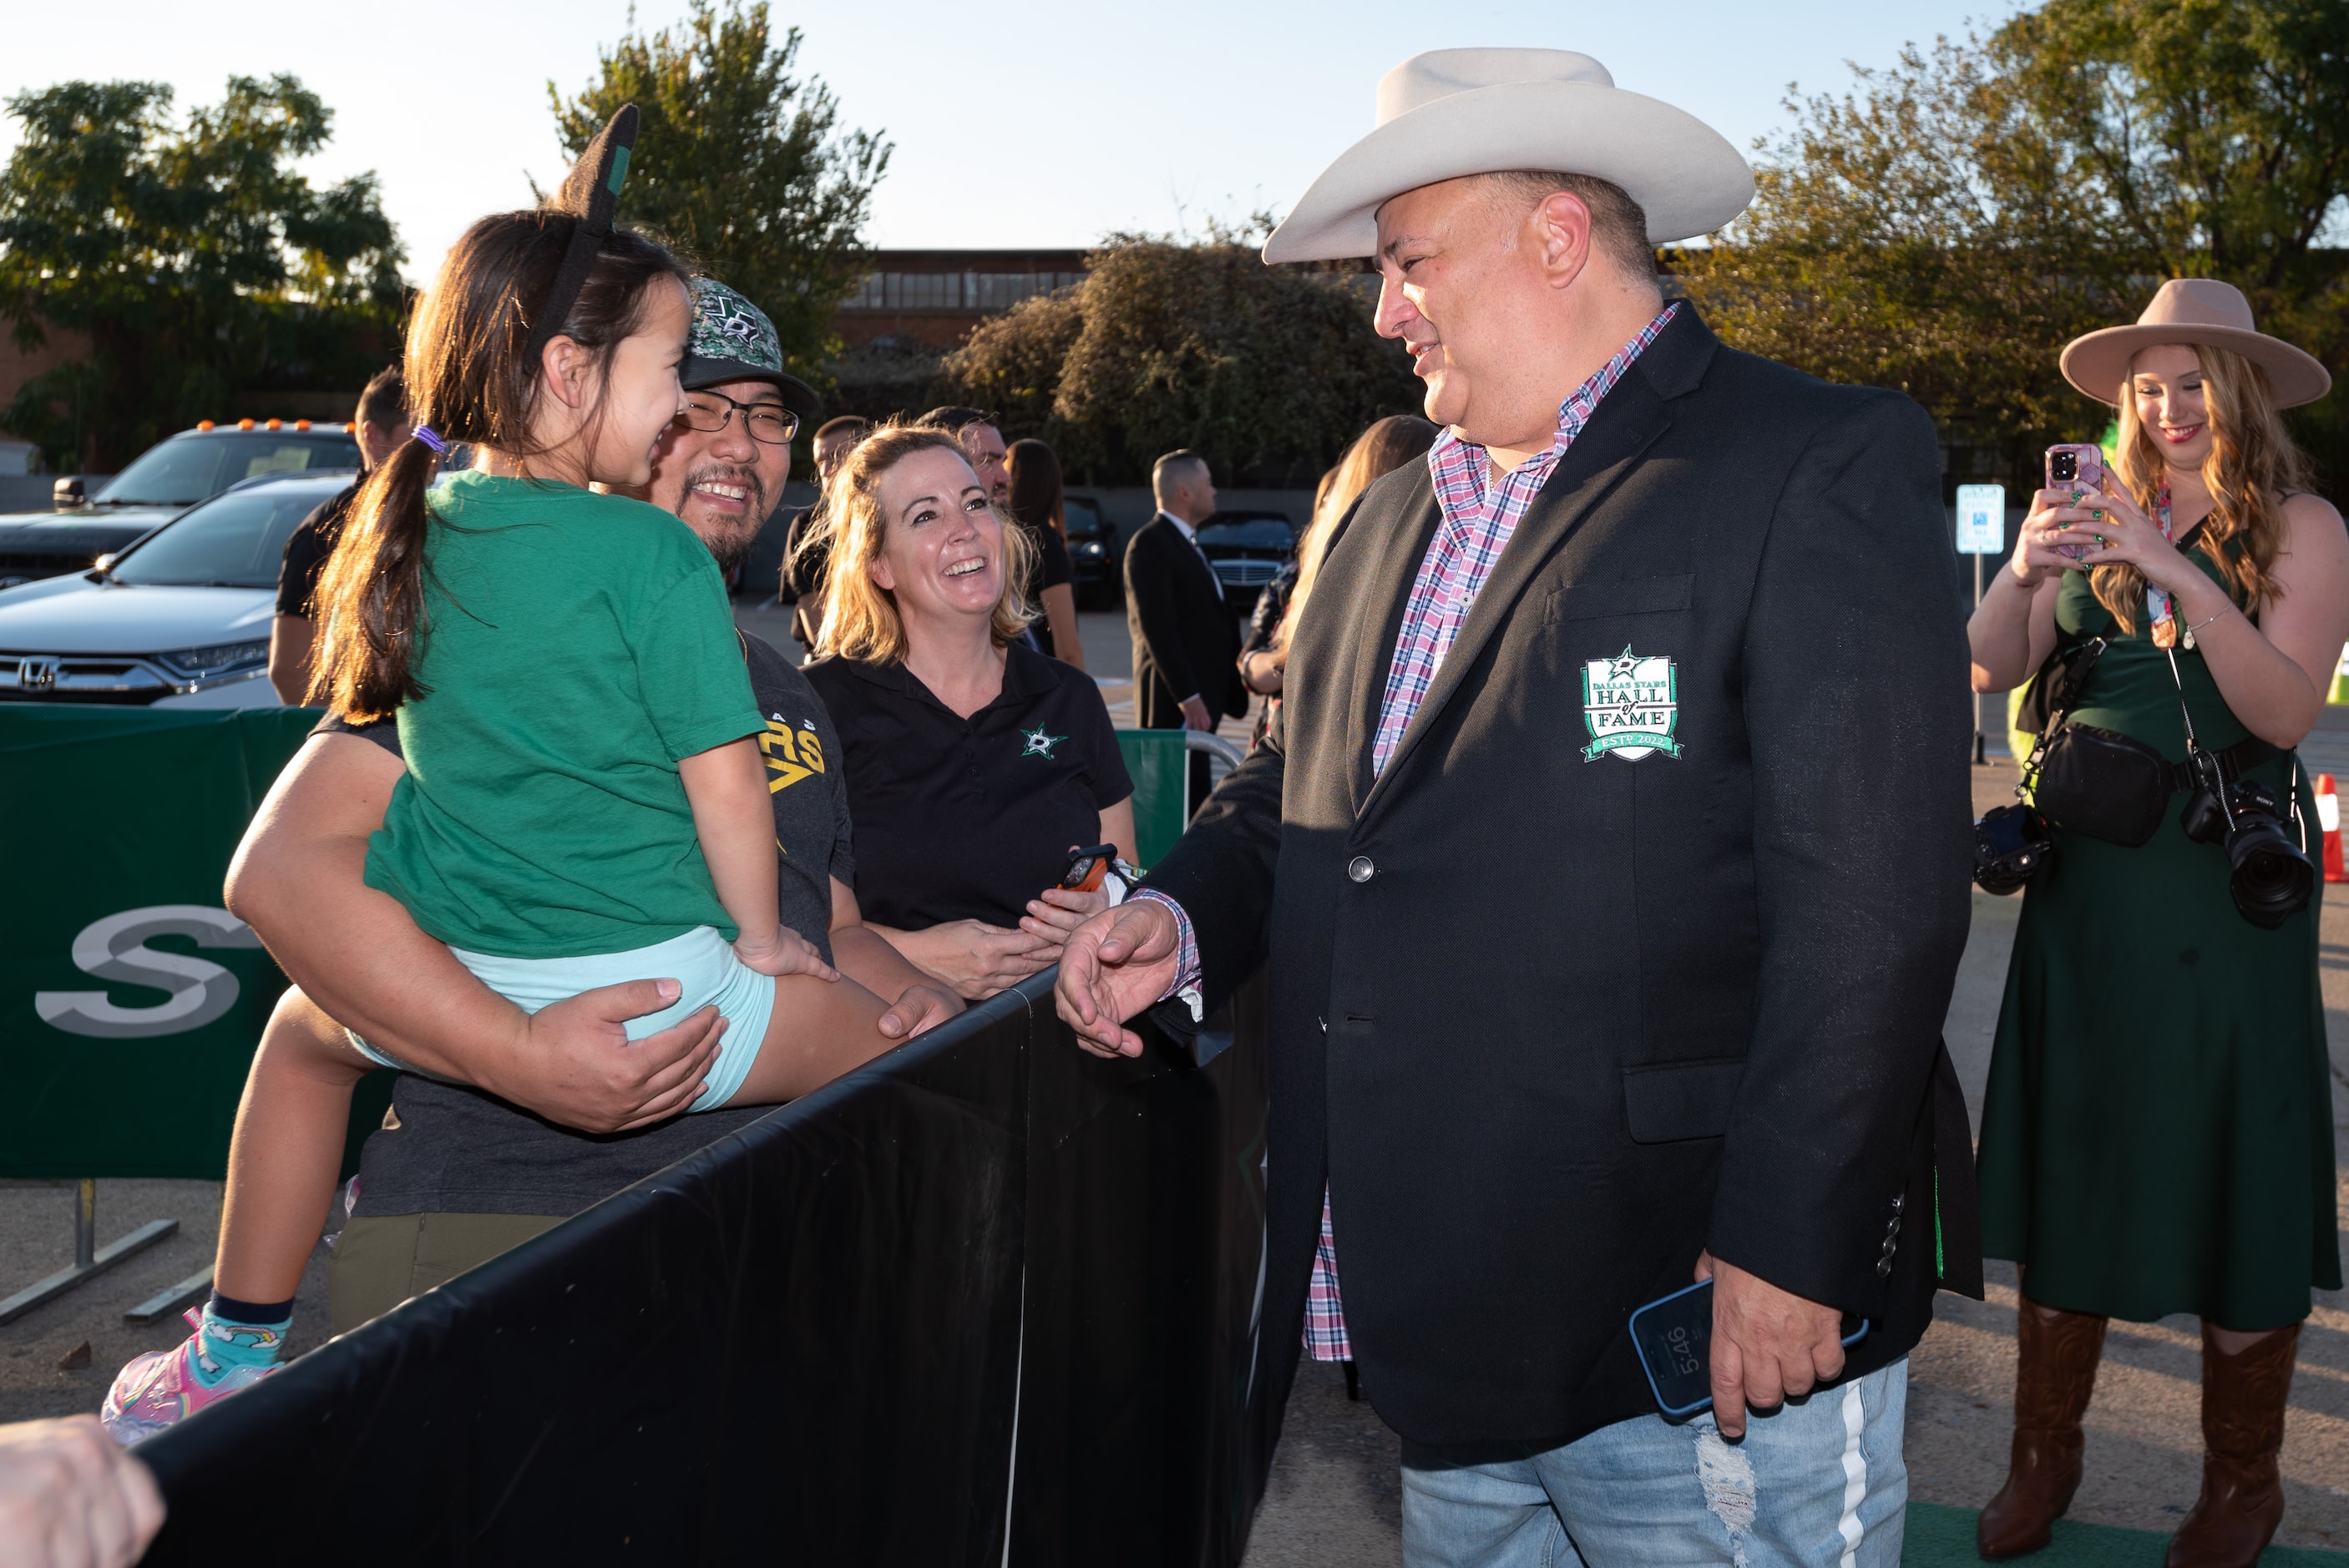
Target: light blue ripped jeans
[[1817, 1484]]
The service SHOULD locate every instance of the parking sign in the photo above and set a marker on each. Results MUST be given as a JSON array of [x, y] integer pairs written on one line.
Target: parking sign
[[1982, 519]]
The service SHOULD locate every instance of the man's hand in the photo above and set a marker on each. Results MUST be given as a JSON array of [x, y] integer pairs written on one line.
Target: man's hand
[[917, 1009], [1195, 714], [1769, 1344], [576, 1066], [1115, 965], [71, 1497]]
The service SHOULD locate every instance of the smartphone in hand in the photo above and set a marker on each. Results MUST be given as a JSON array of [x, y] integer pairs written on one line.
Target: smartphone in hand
[[2079, 469], [1673, 1336]]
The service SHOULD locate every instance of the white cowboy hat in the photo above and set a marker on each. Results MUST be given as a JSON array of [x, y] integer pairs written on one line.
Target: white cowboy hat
[[2189, 311], [1481, 111]]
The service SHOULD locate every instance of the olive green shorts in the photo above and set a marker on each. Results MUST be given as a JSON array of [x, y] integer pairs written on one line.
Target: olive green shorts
[[382, 1260]]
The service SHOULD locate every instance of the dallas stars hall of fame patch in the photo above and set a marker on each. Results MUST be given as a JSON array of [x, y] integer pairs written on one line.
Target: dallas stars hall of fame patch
[[1629, 705]]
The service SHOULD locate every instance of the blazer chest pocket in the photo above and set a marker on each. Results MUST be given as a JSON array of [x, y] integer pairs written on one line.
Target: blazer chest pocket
[[1595, 600], [1676, 1100]]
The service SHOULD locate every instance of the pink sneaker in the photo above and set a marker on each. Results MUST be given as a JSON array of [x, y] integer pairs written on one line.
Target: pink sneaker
[[161, 1389]]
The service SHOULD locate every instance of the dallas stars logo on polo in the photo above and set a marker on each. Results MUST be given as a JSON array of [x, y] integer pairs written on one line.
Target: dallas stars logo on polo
[[1038, 743], [1630, 704]]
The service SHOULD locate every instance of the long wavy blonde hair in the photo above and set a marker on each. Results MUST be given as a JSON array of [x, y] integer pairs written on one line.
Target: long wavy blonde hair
[[860, 616], [1377, 452], [2252, 466]]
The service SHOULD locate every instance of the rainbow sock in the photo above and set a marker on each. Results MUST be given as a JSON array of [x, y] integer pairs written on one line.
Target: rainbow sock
[[233, 1333]]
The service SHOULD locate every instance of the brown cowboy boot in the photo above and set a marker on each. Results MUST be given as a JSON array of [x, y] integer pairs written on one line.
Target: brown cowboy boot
[[2243, 1399], [2057, 1373]]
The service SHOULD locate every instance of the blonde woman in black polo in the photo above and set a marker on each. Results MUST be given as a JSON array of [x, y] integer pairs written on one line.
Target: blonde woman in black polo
[[974, 763]]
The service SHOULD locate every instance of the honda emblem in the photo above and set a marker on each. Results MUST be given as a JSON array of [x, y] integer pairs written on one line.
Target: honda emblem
[[36, 674]]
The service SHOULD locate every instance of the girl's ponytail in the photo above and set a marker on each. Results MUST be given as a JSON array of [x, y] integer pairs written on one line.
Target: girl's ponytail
[[371, 595]]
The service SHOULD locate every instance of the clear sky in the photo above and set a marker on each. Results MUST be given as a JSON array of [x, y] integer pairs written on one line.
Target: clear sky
[[1051, 123]]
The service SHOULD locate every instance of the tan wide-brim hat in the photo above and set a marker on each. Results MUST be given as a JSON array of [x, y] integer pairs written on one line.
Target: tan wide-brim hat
[[1454, 112], [2193, 311]]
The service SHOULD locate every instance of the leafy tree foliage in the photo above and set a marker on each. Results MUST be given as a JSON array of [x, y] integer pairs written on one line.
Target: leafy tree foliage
[[192, 257], [1946, 226], [741, 165], [1269, 371]]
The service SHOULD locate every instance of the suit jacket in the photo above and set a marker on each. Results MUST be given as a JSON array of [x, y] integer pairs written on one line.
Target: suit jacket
[[1185, 641], [1549, 1020]]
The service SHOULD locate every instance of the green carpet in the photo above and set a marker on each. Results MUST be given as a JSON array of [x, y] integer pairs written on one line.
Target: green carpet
[[1940, 1536]]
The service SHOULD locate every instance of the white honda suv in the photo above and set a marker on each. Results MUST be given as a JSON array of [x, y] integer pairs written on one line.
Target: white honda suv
[[179, 619]]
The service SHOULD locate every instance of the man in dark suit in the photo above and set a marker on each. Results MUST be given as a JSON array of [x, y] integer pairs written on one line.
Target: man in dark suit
[[1186, 642], [1610, 856]]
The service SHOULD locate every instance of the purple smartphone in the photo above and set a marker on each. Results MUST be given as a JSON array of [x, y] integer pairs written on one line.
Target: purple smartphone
[[2081, 471]]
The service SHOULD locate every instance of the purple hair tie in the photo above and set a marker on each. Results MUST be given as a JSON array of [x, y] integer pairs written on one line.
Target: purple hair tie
[[425, 434]]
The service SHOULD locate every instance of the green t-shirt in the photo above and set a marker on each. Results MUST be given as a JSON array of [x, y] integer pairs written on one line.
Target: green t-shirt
[[575, 645]]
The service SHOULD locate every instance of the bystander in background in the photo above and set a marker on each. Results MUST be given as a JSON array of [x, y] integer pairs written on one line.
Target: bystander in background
[[382, 420], [1039, 506], [1386, 445], [2156, 1132], [1185, 641], [805, 549]]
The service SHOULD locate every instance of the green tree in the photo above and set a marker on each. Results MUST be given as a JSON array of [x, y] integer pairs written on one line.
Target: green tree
[[741, 165], [193, 258], [1269, 371], [1945, 227]]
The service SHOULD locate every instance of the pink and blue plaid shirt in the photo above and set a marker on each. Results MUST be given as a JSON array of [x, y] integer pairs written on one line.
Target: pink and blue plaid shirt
[[1478, 519]]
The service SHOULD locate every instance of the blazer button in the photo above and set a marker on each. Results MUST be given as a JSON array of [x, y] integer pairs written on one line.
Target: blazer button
[[1884, 1268], [1360, 869]]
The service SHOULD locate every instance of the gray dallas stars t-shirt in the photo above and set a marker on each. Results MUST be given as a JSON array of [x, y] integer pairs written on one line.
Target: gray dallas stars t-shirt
[[447, 1149]]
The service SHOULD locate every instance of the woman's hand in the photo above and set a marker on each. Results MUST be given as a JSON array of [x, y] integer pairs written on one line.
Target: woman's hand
[[2051, 523], [2120, 534], [975, 958], [1058, 911]]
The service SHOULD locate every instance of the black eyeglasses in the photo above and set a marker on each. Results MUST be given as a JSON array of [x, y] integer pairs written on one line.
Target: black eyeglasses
[[768, 425]]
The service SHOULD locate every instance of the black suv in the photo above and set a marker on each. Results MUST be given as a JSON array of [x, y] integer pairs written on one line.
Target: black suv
[[1092, 554], [1247, 549], [165, 481]]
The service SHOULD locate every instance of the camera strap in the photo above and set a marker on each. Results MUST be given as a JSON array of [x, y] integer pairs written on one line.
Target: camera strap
[[2233, 762], [2067, 692]]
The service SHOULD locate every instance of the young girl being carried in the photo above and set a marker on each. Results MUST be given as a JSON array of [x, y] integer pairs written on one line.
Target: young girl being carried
[[582, 804]]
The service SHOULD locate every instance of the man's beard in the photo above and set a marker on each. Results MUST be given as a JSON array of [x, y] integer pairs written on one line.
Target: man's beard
[[732, 546]]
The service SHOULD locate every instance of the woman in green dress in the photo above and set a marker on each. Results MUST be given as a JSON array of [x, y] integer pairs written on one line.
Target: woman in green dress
[[2158, 1136]]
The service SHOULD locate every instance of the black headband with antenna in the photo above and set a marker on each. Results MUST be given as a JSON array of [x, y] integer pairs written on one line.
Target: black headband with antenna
[[590, 193]]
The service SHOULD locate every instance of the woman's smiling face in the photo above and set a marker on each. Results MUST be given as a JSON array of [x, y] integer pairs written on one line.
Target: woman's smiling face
[[2166, 383], [942, 544]]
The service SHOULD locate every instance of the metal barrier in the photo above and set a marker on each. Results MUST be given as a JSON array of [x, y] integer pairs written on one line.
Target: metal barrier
[[823, 1339]]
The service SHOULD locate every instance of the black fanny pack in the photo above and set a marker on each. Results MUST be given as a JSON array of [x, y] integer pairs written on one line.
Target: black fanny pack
[[2109, 785]]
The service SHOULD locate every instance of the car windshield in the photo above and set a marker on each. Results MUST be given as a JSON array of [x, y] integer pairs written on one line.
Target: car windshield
[[1250, 533], [235, 542], [185, 470], [1084, 521]]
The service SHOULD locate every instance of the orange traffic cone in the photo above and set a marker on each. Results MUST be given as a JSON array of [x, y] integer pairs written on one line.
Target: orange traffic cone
[[2328, 817]]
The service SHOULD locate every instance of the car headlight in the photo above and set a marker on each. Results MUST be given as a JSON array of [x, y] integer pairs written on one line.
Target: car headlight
[[216, 658], [1091, 547]]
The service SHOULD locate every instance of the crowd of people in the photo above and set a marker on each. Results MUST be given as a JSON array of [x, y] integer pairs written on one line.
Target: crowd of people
[[1606, 828]]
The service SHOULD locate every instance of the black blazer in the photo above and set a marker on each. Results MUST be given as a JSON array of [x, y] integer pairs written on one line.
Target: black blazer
[[1185, 640], [1550, 1021]]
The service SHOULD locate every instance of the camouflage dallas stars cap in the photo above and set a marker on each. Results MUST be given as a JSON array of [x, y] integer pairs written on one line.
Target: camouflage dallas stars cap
[[733, 341]]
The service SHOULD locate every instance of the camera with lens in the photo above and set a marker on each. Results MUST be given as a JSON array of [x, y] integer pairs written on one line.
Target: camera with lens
[[2010, 843], [2063, 467], [2269, 876]]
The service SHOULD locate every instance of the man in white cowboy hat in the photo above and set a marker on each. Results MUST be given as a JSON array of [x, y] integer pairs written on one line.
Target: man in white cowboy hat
[[1611, 863]]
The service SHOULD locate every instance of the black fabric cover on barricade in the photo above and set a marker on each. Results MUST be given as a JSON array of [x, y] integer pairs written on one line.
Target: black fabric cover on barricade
[[805, 1343]]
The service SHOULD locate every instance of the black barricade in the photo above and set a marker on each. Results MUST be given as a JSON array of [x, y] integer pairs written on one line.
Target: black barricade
[[808, 1343]]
